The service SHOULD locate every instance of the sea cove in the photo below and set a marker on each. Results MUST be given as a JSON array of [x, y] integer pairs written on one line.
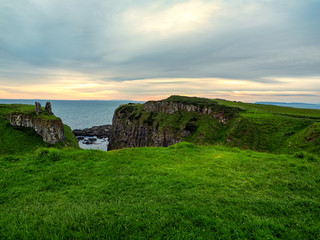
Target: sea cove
[[78, 114]]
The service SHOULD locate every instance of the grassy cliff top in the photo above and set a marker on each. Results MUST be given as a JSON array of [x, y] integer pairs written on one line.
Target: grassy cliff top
[[191, 100], [26, 109], [247, 107], [15, 140], [255, 126], [272, 109]]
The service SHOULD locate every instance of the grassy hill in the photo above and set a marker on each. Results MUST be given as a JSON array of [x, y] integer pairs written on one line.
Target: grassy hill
[[185, 191], [181, 192], [258, 127], [22, 140], [281, 129]]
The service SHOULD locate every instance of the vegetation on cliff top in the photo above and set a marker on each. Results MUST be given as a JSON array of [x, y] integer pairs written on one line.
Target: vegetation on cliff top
[[26, 109], [181, 192], [253, 126], [18, 140], [202, 103]]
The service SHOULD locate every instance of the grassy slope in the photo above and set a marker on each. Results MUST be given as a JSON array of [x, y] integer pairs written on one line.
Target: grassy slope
[[281, 129], [272, 109], [258, 127], [22, 140], [181, 192]]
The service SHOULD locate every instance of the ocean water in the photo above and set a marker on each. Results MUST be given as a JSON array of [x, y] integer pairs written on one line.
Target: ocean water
[[79, 114]]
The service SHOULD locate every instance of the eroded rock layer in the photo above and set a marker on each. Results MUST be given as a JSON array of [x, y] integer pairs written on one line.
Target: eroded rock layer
[[166, 122], [51, 130]]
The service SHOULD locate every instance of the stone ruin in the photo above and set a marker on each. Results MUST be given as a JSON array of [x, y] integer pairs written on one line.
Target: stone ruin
[[38, 108], [48, 108]]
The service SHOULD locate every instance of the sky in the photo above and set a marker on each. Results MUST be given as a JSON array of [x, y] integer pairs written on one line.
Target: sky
[[243, 50]]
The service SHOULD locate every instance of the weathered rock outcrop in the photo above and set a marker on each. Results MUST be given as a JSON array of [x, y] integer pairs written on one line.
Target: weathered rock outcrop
[[174, 107], [152, 124], [51, 130], [99, 131], [127, 133]]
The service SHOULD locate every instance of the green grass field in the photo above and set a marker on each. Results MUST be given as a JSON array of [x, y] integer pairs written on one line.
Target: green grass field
[[185, 191], [181, 192]]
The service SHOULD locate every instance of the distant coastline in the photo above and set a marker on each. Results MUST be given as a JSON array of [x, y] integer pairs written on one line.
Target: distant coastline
[[294, 105]]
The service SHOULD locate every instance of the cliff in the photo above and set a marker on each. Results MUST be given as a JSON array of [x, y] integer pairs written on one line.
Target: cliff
[[127, 133], [215, 121], [171, 107], [50, 129], [166, 122]]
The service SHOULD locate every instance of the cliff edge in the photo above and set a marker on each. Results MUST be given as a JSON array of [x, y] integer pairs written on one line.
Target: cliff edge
[[50, 129], [215, 121], [166, 122]]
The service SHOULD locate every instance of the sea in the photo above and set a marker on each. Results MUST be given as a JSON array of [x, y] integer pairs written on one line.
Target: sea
[[80, 114]]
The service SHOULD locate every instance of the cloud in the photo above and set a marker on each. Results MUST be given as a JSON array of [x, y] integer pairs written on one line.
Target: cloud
[[171, 20], [224, 45]]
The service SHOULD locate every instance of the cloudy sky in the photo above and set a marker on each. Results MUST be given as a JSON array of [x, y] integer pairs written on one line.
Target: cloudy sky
[[248, 50]]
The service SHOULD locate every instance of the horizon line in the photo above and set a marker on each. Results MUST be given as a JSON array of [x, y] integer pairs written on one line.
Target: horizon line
[[256, 102]]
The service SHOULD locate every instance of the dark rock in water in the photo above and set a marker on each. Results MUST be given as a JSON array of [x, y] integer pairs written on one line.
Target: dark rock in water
[[86, 141], [98, 131], [80, 137], [48, 108], [92, 139], [38, 108]]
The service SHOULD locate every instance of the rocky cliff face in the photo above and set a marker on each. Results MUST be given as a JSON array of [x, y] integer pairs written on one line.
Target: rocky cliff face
[[127, 133], [166, 122], [51, 130], [174, 107]]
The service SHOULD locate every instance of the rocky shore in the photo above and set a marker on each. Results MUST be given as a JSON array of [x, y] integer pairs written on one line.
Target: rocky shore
[[93, 138], [96, 131]]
